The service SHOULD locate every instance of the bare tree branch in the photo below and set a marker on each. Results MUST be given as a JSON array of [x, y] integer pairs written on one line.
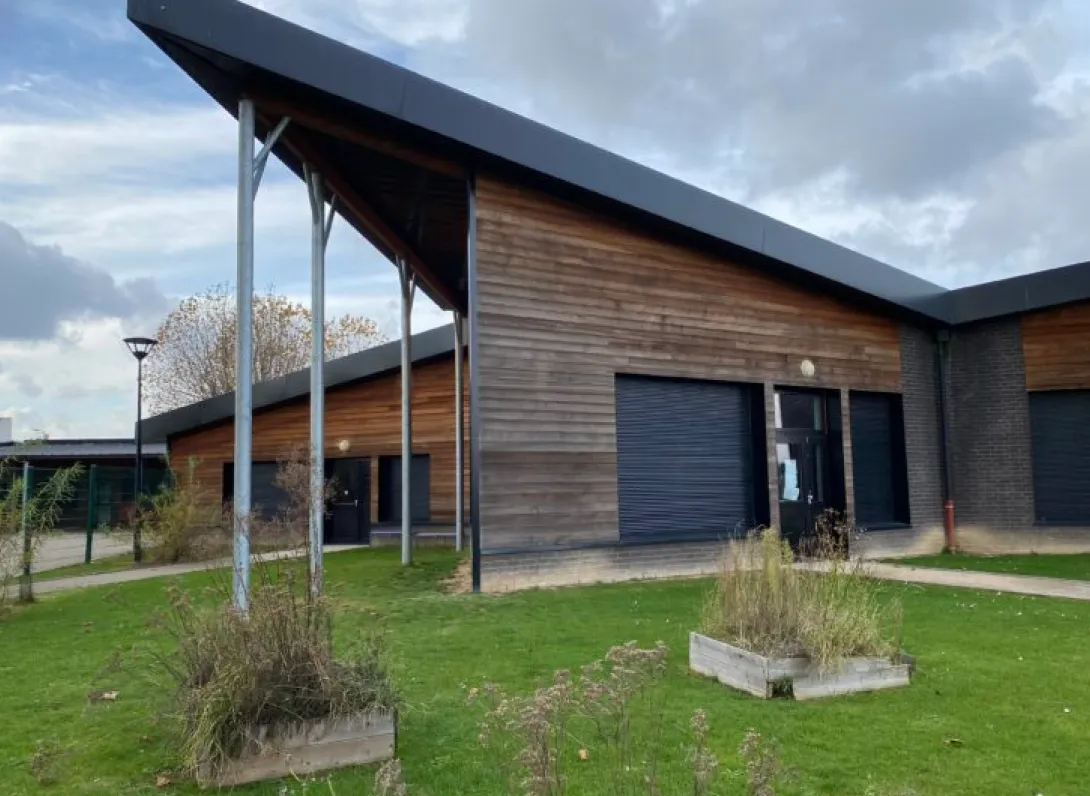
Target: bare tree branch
[[195, 358]]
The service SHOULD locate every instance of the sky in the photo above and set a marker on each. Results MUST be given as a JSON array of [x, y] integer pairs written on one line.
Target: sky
[[950, 139]]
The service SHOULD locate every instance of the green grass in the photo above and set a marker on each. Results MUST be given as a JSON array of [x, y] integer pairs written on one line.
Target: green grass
[[1003, 674], [1072, 567]]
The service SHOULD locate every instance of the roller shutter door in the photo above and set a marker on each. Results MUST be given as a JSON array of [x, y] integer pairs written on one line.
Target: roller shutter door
[[266, 498], [684, 459], [1060, 424], [421, 483], [875, 458]]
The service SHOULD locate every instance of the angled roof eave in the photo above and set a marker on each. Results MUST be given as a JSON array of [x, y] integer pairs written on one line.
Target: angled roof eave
[[221, 42]]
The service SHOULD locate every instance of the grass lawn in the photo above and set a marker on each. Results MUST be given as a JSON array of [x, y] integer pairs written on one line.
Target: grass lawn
[[1004, 675], [1072, 567]]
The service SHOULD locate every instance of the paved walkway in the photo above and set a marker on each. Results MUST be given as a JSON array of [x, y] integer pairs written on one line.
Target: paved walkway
[[65, 548], [958, 578], [985, 581], [146, 573]]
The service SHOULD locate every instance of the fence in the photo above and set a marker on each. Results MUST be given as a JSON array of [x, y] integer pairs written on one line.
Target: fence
[[102, 495]]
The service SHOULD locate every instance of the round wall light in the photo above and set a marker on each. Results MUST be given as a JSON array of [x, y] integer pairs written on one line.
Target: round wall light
[[807, 368], [344, 445]]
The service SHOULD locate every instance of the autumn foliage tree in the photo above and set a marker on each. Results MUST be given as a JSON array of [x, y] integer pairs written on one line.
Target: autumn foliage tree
[[195, 358]]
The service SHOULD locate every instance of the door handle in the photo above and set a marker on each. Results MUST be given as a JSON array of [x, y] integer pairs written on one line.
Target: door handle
[[809, 498]]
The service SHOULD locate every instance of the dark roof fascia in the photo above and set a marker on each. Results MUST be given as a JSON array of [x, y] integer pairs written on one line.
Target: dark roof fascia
[[367, 364], [259, 41], [1018, 295]]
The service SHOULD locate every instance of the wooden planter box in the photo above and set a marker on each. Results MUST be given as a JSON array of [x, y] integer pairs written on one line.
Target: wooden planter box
[[307, 748], [797, 678]]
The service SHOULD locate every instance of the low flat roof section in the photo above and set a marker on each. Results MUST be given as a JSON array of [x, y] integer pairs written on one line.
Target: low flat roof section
[[367, 364]]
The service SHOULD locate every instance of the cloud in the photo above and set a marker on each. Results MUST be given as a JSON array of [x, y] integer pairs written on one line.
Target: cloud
[[370, 23], [80, 383], [104, 138], [42, 288]]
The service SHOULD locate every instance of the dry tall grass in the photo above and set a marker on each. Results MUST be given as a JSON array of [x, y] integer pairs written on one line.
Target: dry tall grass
[[763, 602], [273, 666]]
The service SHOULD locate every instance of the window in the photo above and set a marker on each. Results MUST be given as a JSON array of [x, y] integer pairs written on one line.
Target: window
[[879, 467]]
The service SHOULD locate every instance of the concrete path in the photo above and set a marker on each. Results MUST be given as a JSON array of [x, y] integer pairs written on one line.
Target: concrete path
[[64, 549], [146, 573], [985, 581]]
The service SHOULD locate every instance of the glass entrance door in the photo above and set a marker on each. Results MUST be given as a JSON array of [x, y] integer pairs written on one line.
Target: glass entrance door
[[802, 458]]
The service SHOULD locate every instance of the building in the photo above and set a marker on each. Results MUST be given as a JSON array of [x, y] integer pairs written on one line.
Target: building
[[362, 440], [103, 492], [654, 368]]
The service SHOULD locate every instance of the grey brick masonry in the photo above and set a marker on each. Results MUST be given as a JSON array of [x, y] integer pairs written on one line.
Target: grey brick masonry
[[993, 476]]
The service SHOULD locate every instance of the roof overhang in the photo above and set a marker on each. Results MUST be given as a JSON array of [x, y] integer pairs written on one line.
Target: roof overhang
[[368, 124]]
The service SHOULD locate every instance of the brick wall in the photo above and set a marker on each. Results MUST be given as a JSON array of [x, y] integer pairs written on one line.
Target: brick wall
[[993, 478], [923, 452]]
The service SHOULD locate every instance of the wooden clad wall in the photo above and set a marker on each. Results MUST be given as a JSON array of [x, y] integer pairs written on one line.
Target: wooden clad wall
[[368, 414], [568, 299], [1056, 348]]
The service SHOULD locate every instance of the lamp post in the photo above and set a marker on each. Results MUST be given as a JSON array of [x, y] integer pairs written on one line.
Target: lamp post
[[140, 347]]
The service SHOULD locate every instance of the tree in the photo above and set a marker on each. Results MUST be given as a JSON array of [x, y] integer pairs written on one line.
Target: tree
[[195, 358]]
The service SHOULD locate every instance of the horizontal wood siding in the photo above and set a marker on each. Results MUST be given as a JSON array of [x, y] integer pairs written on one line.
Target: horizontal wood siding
[[568, 299], [1056, 348], [367, 414]]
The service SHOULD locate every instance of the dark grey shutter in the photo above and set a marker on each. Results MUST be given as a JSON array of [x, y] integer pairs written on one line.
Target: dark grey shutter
[[684, 459], [1060, 423], [873, 458], [421, 480], [266, 497]]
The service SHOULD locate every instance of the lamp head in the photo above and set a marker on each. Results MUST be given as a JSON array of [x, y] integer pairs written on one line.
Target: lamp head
[[140, 347]]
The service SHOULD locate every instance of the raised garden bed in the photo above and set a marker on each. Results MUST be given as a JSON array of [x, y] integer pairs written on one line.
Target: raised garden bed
[[798, 678], [307, 748]]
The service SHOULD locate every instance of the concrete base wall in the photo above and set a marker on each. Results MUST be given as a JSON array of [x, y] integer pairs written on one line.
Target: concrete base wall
[[510, 572], [979, 540], [546, 569], [900, 543]]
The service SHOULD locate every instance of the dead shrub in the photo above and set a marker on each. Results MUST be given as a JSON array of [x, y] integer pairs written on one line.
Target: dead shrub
[[180, 522], [763, 602], [274, 666]]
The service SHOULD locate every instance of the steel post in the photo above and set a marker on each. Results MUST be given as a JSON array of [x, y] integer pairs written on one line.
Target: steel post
[[244, 355], [321, 225], [92, 511], [26, 590], [459, 436], [138, 491], [408, 289], [472, 313]]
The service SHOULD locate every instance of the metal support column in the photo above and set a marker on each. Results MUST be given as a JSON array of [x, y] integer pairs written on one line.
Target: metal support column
[[408, 291], [459, 435], [26, 589], [321, 226], [250, 170], [473, 317]]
